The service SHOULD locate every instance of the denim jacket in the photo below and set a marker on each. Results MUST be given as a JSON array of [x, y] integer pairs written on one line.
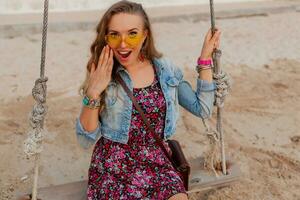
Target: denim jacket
[[115, 118]]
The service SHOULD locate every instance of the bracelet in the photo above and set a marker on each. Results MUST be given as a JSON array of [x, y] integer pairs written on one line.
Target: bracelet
[[91, 103], [204, 62], [202, 67]]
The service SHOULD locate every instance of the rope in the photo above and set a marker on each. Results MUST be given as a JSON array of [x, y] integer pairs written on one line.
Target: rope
[[33, 144], [44, 39], [223, 85], [216, 57], [211, 157]]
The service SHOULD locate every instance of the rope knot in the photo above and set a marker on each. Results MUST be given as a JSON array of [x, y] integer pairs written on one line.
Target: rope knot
[[223, 85], [37, 115], [39, 90], [33, 144]]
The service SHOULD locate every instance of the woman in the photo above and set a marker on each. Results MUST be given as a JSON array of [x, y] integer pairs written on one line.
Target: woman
[[126, 162]]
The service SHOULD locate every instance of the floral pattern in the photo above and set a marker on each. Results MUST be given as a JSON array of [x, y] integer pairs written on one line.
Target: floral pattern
[[138, 169]]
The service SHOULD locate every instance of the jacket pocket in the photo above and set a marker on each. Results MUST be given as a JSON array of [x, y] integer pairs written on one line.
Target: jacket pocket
[[111, 95], [172, 83]]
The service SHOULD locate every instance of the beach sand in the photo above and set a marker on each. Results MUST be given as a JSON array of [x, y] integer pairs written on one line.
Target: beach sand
[[261, 53]]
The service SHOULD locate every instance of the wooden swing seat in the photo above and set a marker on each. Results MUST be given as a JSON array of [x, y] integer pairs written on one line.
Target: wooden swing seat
[[200, 180]]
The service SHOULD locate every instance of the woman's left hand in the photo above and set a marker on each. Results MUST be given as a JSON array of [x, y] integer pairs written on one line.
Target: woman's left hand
[[210, 43]]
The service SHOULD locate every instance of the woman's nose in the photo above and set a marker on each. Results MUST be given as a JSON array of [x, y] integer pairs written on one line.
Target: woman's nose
[[123, 43]]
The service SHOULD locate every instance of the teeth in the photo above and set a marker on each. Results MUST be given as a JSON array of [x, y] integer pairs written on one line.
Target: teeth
[[124, 52]]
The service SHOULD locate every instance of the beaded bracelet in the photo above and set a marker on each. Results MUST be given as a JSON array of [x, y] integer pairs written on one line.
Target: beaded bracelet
[[91, 103]]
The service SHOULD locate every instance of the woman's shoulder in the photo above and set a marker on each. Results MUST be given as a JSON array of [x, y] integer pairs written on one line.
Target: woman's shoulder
[[164, 62], [169, 67]]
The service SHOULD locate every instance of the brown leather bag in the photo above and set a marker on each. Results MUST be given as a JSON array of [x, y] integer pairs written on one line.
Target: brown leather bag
[[177, 157]]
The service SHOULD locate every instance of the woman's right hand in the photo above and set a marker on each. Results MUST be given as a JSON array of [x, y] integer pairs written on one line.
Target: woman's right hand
[[211, 42], [100, 76]]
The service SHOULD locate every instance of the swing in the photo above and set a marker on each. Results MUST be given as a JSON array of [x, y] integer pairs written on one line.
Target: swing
[[200, 178]]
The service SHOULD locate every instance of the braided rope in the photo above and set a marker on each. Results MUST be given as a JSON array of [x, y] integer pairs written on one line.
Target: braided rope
[[44, 39], [223, 85], [212, 157], [33, 144]]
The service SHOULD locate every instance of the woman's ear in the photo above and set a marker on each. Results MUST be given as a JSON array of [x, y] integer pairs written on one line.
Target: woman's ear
[[145, 37], [145, 34]]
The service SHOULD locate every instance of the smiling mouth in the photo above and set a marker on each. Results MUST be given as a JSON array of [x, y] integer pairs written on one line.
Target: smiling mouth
[[124, 55]]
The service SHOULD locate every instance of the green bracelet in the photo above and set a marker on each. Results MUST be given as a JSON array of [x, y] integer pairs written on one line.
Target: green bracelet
[[91, 103]]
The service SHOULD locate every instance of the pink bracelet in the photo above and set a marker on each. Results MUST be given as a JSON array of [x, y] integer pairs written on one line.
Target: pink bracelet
[[204, 62]]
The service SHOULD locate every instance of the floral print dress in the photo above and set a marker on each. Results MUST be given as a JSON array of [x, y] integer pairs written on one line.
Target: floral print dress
[[138, 169]]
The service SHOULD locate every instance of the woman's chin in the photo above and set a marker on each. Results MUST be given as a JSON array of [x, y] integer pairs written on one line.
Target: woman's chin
[[126, 61]]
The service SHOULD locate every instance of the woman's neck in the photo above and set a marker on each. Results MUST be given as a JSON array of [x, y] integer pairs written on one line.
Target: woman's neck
[[138, 65]]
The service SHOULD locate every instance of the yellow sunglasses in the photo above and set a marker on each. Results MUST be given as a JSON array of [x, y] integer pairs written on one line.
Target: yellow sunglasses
[[132, 39]]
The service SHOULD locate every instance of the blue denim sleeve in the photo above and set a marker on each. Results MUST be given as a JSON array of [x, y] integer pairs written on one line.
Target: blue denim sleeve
[[199, 102], [86, 139]]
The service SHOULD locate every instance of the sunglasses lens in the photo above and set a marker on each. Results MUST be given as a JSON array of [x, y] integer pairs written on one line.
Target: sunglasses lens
[[133, 39], [113, 40]]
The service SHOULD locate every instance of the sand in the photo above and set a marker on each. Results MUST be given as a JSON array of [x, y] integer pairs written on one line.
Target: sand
[[260, 49]]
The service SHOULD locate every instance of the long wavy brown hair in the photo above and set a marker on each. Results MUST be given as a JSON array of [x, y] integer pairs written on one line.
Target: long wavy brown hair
[[149, 50]]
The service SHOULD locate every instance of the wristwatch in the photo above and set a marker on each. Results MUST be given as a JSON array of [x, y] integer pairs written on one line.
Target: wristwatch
[[91, 103]]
